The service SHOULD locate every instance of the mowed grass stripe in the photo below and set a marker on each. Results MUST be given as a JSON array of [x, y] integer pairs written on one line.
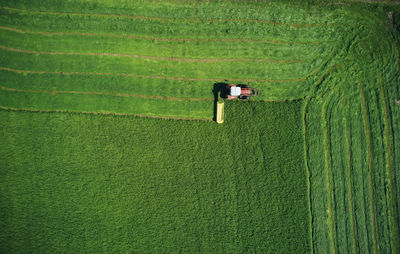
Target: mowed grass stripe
[[369, 159], [54, 92], [338, 153], [105, 103], [162, 19], [349, 178], [318, 194], [150, 77], [379, 177], [143, 86], [389, 170], [160, 48], [157, 58], [306, 162], [360, 174], [198, 70], [104, 113], [81, 24], [328, 172], [155, 38]]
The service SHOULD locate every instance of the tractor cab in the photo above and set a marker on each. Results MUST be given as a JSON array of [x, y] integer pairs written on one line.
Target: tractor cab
[[240, 91]]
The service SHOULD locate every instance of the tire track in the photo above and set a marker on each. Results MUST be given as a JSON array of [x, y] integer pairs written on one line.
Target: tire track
[[369, 150], [154, 97], [125, 36], [156, 58], [162, 19], [389, 169], [152, 77], [106, 113]]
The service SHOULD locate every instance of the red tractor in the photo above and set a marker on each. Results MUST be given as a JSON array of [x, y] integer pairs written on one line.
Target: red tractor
[[240, 91]]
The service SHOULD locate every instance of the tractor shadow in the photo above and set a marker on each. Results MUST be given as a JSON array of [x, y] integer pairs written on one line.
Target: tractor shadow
[[219, 89]]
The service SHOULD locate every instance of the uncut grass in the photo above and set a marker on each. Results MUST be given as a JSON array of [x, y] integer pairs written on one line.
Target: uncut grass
[[125, 189]]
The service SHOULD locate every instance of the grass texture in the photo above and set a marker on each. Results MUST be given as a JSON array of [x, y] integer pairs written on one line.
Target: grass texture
[[337, 61], [78, 182]]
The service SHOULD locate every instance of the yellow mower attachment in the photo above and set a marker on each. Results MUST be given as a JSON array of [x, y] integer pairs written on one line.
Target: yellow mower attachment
[[220, 112]]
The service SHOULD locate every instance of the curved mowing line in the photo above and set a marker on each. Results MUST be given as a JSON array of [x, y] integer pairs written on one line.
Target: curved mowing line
[[328, 172], [161, 38], [306, 159], [389, 169], [151, 77], [349, 182], [369, 145], [106, 113], [54, 92], [157, 58], [162, 19]]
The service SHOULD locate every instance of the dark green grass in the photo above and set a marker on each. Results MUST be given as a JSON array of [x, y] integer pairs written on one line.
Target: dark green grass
[[73, 183]]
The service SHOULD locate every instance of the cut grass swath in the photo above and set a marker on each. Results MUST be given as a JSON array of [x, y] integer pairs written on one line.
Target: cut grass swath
[[389, 166], [328, 172], [306, 159], [369, 158], [349, 179]]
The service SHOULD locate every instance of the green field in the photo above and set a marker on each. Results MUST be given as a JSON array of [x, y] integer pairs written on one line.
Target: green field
[[116, 184], [108, 143]]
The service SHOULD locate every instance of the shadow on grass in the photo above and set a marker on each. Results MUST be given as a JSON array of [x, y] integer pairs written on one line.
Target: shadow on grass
[[219, 89]]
